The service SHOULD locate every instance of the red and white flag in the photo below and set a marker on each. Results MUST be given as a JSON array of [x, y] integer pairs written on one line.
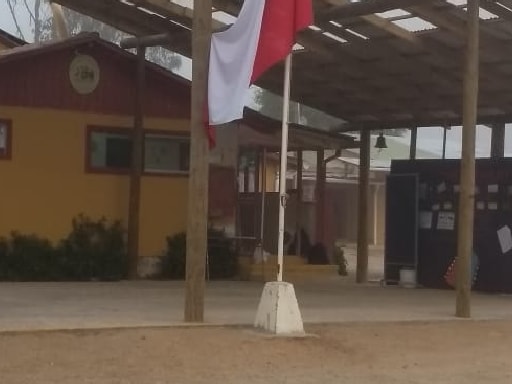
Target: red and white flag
[[263, 35]]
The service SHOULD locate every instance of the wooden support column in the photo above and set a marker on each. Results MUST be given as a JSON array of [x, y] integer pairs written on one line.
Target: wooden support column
[[467, 172], [320, 196], [498, 141], [197, 220], [414, 140], [445, 131], [298, 215], [362, 222], [136, 167]]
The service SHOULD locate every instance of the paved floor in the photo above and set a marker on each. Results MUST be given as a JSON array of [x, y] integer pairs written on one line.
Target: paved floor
[[34, 306]]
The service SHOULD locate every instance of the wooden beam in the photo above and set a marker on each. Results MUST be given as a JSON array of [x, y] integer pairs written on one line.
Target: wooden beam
[[497, 9], [136, 166], [160, 39], [362, 219], [300, 165], [59, 21], [129, 19], [498, 141], [445, 131], [197, 219], [368, 7], [320, 196], [414, 140], [467, 171]]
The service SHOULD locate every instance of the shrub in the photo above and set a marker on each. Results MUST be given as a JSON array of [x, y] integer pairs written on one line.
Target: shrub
[[94, 250], [28, 258], [174, 261], [222, 260], [340, 259]]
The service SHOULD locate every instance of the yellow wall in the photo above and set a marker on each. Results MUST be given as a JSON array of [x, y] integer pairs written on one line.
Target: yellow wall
[[45, 184]]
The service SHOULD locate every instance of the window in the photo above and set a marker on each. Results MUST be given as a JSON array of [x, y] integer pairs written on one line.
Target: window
[[5, 139], [165, 153], [110, 150]]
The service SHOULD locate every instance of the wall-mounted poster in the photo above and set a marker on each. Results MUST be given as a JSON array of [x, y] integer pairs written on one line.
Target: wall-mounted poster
[[446, 221], [505, 239], [426, 220]]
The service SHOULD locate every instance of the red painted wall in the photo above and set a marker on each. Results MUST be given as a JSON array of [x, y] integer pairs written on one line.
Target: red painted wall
[[42, 81]]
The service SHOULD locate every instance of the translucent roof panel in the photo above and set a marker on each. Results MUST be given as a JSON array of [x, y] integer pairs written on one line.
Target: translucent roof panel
[[393, 13], [414, 24]]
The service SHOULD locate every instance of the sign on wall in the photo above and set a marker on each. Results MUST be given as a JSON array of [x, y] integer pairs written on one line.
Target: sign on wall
[[84, 74]]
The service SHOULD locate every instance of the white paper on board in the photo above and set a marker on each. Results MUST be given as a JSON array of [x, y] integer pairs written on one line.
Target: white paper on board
[[492, 206], [447, 206], [493, 188], [480, 205], [441, 188], [505, 239], [446, 221], [426, 220], [436, 207]]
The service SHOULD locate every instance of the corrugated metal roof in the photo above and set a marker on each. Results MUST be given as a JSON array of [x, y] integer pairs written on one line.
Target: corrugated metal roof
[[9, 40]]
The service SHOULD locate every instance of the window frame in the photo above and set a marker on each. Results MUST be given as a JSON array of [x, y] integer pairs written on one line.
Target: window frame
[[7, 155], [185, 137], [89, 168]]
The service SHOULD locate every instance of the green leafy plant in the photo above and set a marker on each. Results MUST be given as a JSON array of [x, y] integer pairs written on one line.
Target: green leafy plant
[[222, 260], [28, 258], [340, 259], [94, 249]]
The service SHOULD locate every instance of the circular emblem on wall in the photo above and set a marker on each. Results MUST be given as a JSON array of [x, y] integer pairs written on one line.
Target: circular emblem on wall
[[84, 74]]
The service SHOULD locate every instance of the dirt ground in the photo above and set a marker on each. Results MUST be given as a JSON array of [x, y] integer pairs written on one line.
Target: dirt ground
[[412, 353]]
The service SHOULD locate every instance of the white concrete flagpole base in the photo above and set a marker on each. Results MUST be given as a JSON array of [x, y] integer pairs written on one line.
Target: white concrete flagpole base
[[278, 311]]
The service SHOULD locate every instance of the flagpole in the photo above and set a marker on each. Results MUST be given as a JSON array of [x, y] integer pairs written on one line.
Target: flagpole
[[282, 170]]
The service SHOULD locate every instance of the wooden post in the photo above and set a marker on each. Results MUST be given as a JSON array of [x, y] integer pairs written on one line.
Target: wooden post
[[298, 215], [498, 141], [136, 167], [320, 196], [414, 140], [467, 171], [197, 220], [445, 131], [58, 21], [362, 222], [375, 213]]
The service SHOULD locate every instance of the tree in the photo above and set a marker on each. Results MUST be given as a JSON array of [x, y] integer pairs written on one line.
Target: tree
[[38, 15], [272, 106], [40, 19]]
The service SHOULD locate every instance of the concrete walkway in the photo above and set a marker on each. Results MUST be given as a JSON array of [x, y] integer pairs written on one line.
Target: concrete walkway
[[36, 306]]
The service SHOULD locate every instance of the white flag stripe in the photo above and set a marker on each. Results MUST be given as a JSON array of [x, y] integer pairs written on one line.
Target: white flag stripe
[[232, 58]]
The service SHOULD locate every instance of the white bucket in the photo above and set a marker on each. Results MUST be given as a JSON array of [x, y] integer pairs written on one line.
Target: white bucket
[[407, 278]]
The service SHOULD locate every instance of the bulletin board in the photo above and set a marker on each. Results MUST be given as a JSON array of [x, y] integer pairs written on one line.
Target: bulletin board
[[401, 225], [438, 197]]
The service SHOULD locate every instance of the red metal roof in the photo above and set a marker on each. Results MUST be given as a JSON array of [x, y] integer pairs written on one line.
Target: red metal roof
[[9, 40]]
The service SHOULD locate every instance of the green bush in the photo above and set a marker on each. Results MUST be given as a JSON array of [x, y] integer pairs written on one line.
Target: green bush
[[92, 250], [173, 263], [222, 260], [340, 259], [28, 258]]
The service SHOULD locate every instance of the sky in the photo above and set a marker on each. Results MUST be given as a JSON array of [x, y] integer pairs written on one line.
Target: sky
[[430, 139]]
